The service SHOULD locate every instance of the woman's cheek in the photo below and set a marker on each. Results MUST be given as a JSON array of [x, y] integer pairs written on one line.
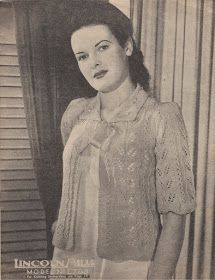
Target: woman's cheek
[[84, 71]]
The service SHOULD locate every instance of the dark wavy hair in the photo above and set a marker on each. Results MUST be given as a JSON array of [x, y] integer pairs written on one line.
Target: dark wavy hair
[[95, 12]]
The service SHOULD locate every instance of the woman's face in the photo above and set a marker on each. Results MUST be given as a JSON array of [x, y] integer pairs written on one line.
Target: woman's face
[[101, 59]]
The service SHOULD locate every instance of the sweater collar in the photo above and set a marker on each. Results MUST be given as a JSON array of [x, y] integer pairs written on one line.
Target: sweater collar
[[127, 111]]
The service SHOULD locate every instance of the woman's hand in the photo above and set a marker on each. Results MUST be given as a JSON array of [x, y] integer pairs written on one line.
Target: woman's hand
[[54, 227], [169, 247]]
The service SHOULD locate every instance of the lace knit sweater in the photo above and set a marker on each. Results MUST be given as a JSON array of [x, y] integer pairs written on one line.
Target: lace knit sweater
[[144, 170]]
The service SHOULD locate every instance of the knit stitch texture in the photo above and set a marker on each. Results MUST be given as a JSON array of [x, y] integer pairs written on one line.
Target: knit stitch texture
[[144, 171]]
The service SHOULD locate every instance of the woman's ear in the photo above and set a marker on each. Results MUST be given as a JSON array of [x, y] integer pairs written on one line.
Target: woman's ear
[[129, 47]]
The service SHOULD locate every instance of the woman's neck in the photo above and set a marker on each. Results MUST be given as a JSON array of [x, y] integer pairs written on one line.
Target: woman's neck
[[113, 99]]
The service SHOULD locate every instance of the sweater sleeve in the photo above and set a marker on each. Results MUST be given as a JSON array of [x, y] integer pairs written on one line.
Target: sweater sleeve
[[70, 116], [174, 177]]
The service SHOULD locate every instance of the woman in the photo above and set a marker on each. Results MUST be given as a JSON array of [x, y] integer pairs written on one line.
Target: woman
[[126, 161]]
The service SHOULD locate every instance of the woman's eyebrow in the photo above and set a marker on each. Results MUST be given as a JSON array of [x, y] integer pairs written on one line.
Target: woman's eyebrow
[[95, 45], [101, 42], [79, 52]]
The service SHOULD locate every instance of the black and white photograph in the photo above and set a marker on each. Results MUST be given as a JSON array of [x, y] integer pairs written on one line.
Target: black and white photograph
[[107, 139]]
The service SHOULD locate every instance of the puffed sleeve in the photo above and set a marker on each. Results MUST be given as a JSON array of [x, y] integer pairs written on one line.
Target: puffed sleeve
[[174, 177], [70, 116]]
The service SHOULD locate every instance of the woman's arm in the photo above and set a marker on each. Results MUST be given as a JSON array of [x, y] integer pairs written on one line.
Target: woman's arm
[[169, 247]]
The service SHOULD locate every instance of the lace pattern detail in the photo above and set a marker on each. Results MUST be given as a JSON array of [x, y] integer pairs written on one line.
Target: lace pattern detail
[[174, 178]]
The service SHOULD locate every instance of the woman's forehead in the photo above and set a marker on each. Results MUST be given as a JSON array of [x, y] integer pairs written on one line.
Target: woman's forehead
[[89, 36]]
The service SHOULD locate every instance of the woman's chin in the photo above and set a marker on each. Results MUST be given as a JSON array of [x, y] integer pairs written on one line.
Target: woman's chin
[[104, 88], [101, 88]]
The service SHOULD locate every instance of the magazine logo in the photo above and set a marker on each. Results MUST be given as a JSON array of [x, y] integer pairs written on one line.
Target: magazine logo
[[71, 262], [32, 263], [43, 269]]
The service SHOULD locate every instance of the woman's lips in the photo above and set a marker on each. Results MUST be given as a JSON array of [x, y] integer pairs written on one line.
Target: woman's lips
[[100, 74]]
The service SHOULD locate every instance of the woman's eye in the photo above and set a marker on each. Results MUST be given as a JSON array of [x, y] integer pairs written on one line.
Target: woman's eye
[[82, 57], [104, 47]]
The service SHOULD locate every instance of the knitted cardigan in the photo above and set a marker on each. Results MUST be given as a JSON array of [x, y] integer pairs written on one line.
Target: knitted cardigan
[[144, 171]]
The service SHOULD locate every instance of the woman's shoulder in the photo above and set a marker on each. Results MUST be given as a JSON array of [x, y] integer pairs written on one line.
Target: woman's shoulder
[[162, 110], [162, 107], [76, 105], [169, 113], [75, 108], [168, 107], [163, 114], [71, 115]]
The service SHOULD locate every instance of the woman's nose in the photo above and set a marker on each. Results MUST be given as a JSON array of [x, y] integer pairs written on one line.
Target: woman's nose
[[94, 61]]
